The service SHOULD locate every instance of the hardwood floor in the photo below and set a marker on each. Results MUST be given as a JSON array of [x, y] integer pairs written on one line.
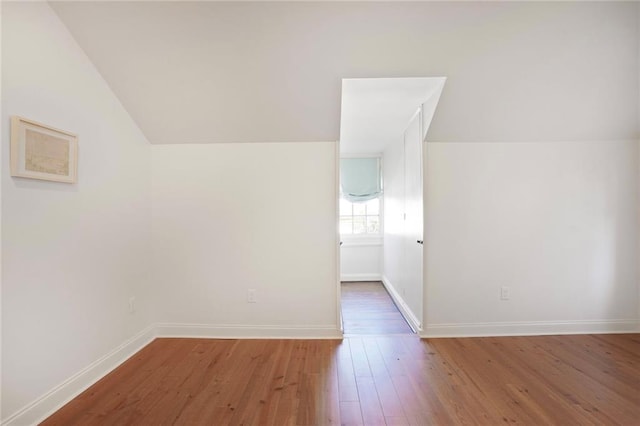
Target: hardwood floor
[[367, 309], [393, 380]]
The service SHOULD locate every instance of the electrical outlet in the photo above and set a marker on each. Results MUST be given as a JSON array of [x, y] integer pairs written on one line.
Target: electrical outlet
[[251, 295], [132, 305], [504, 293]]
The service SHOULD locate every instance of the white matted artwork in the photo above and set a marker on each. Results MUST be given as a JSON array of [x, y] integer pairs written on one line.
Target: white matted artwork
[[42, 152]]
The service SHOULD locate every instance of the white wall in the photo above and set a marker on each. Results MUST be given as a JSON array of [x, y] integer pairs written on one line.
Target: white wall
[[72, 255], [638, 137], [1, 162], [556, 222], [233, 217], [361, 260]]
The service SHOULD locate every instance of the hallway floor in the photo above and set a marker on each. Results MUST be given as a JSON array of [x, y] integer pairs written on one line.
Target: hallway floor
[[367, 309]]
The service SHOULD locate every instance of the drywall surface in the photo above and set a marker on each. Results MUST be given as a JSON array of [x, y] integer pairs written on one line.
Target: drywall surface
[[192, 72], [638, 137], [557, 223], [361, 260], [228, 218], [72, 254], [1, 157]]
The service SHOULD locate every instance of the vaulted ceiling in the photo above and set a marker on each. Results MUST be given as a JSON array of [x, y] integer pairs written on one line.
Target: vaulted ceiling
[[377, 111], [206, 72]]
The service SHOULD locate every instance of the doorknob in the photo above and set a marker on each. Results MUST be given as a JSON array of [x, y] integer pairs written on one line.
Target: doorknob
[[420, 242]]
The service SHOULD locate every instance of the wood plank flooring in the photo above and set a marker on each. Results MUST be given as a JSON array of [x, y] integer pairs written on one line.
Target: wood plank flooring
[[367, 309], [378, 380]]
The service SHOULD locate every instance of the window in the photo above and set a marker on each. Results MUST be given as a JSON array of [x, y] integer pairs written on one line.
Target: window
[[360, 218]]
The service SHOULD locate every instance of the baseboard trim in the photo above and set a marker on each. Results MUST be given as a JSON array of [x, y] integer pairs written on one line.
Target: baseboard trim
[[213, 331], [532, 328], [57, 397], [360, 277], [407, 313]]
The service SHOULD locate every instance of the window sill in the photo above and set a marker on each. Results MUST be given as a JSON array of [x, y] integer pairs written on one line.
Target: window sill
[[363, 241]]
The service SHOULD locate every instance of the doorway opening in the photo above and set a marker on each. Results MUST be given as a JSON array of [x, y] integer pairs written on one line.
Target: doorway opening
[[384, 121]]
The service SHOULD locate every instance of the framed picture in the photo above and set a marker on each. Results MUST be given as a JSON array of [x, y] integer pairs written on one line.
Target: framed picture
[[41, 152]]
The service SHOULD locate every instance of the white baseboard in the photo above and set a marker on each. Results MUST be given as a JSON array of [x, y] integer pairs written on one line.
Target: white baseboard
[[414, 322], [212, 331], [360, 277], [53, 400], [533, 328]]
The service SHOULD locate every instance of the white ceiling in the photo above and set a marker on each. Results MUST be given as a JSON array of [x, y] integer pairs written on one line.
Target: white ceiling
[[376, 111], [206, 72]]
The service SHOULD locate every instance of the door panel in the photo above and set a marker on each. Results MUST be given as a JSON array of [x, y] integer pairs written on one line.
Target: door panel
[[413, 229]]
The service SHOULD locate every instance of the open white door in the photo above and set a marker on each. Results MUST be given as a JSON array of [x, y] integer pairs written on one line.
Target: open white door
[[413, 225]]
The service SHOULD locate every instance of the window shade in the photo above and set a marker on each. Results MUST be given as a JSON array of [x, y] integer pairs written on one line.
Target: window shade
[[360, 179]]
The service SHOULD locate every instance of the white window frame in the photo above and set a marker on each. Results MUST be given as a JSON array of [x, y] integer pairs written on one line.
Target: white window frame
[[366, 239]]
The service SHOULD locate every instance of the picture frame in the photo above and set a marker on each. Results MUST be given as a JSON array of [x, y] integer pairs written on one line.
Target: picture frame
[[39, 151]]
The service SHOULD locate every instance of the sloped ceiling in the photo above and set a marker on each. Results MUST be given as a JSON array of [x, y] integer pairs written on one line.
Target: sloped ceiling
[[206, 72], [376, 111]]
